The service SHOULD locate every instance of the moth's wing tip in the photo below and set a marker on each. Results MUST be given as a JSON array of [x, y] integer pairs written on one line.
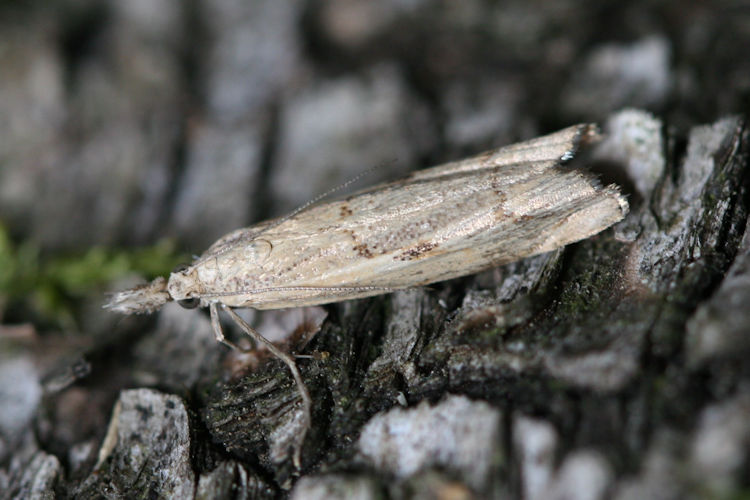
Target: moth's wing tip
[[142, 299], [614, 191], [578, 137], [587, 135], [623, 201]]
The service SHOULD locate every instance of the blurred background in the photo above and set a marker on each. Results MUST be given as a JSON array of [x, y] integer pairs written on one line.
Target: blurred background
[[133, 133]]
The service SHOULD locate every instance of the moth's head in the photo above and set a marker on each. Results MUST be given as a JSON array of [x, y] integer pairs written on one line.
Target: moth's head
[[182, 287], [148, 298]]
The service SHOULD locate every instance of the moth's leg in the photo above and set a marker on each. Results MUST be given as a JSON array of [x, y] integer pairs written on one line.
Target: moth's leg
[[218, 332], [289, 361], [316, 355]]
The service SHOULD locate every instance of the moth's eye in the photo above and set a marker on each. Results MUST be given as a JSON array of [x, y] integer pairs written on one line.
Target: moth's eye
[[190, 303], [179, 268]]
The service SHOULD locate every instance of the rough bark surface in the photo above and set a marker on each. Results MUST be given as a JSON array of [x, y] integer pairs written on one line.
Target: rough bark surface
[[612, 368]]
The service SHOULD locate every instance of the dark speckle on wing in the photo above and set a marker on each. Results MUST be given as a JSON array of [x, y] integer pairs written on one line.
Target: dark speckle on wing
[[345, 211], [363, 250], [416, 251]]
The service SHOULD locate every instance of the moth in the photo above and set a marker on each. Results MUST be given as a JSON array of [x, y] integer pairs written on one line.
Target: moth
[[433, 225]]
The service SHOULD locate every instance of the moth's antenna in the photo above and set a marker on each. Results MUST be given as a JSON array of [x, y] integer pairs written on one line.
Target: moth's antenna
[[381, 289], [300, 209], [323, 196]]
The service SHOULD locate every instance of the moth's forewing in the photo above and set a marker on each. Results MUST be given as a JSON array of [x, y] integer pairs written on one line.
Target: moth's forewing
[[434, 225], [538, 153]]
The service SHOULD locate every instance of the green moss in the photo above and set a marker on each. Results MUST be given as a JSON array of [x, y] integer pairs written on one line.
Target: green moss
[[51, 286], [740, 494], [589, 280]]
